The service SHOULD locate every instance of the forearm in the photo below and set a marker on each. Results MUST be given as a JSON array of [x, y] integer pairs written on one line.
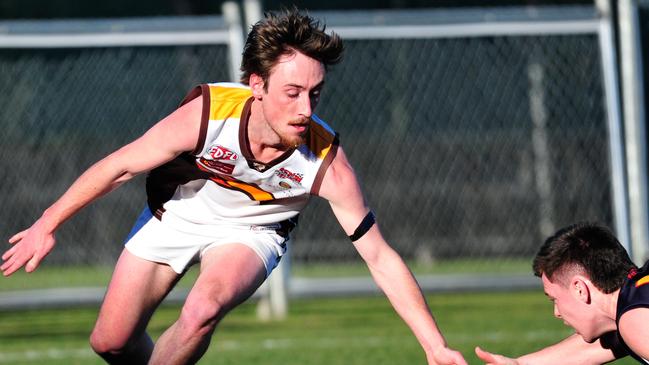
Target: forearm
[[571, 351], [399, 285], [101, 178]]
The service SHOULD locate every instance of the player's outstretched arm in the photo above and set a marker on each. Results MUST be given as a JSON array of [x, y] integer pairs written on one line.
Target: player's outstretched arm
[[340, 187], [571, 351], [168, 138]]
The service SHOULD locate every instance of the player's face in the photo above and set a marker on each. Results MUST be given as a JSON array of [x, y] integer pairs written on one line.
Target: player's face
[[571, 309], [292, 92]]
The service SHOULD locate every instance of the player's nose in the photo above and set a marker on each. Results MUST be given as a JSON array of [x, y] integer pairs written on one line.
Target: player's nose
[[305, 108]]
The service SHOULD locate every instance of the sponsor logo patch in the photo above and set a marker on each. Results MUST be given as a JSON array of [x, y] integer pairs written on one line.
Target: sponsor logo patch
[[224, 168], [286, 174]]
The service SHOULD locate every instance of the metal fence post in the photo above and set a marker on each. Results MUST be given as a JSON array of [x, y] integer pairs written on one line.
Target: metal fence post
[[634, 126]]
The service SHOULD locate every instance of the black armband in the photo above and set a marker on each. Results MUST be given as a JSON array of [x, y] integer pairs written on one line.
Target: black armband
[[363, 227]]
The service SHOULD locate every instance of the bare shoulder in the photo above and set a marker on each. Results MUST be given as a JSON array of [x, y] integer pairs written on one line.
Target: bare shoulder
[[181, 128], [340, 180], [341, 188], [173, 135], [634, 330]]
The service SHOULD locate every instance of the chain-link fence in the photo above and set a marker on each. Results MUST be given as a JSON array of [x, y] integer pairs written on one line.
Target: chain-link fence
[[64, 109], [471, 147]]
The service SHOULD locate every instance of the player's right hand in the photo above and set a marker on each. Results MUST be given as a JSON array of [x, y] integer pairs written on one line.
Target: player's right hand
[[446, 356], [29, 248], [494, 359]]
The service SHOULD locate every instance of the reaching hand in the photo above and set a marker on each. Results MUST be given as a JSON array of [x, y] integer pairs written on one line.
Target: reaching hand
[[29, 248], [494, 359], [446, 356]]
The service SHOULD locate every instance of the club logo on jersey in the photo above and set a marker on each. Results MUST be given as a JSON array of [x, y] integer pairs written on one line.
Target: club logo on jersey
[[283, 173], [219, 159], [221, 153], [284, 184]]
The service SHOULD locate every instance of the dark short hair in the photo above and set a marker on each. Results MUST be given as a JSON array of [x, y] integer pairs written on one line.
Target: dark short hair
[[587, 246], [285, 33]]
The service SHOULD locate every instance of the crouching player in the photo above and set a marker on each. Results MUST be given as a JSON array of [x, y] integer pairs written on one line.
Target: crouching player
[[598, 291]]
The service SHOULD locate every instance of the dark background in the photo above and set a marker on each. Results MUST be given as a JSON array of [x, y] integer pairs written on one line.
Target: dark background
[[53, 9], [66, 9]]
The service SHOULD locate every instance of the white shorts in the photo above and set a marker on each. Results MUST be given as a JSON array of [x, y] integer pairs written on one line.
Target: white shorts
[[152, 240]]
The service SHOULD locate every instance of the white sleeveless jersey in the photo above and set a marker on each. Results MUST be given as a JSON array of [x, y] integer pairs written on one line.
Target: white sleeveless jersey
[[220, 183]]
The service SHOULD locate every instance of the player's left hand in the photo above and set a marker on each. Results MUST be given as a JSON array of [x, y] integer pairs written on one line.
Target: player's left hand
[[29, 248], [445, 356]]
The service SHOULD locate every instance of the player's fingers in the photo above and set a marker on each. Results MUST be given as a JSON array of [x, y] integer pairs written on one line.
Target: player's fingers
[[17, 237], [484, 355], [493, 359], [11, 266], [451, 357], [459, 359], [33, 263], [6, 264], [8, 258], [8, 253]]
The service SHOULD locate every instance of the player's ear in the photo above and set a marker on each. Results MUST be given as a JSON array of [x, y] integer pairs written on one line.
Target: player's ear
[[257, 84], [580, 289]]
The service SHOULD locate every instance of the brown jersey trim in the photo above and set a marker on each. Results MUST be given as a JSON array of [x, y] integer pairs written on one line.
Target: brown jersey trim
[[244, 143], [158, 213], [199, 90], [243, 129], [161, 182], [317, 182]]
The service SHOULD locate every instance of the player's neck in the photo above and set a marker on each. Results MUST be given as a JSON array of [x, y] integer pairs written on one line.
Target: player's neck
[[611, 304], [607, 308]]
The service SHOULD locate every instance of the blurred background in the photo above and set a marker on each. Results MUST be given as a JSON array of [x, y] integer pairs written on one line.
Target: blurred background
[[65, 9], [477, 128]]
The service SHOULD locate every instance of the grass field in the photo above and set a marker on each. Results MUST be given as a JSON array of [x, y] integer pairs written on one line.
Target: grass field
[[342, 331]]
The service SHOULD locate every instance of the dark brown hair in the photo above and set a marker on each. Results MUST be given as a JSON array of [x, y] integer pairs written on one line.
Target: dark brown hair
[[589, 247], [286, 33]]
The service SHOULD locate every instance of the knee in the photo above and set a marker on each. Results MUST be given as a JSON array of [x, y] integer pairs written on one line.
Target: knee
[[106, 343], [116, 348], [200, 317]]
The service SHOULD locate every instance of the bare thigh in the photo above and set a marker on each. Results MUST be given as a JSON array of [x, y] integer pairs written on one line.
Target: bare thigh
[[135, 290], [229, 275]]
